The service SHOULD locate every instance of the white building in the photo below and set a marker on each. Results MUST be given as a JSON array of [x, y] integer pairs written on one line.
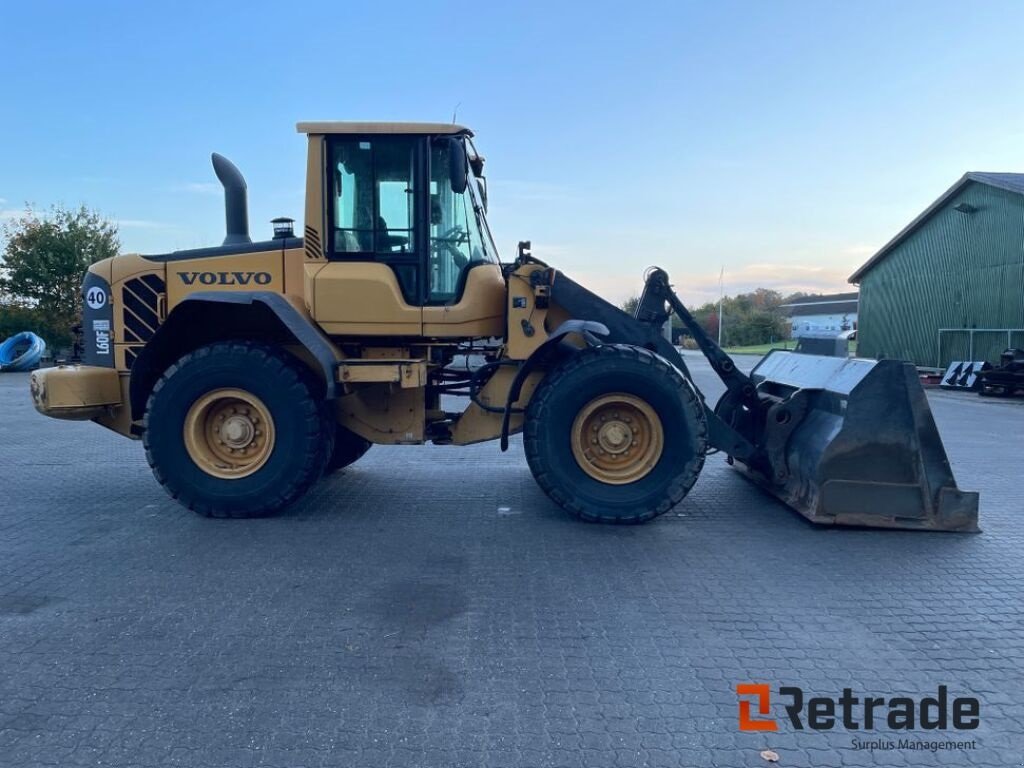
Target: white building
[[815, 314]]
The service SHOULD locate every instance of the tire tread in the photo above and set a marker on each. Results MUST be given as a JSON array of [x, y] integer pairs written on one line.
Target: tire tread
[[540, 408], [265, 361]]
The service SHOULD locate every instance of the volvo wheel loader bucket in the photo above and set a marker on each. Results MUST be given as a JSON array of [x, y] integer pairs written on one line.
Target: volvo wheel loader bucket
[[853, 442]]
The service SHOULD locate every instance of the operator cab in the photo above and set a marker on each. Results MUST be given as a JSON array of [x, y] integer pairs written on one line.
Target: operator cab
[[409, 197]]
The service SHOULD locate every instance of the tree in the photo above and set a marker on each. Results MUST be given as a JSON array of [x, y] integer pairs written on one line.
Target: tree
[[15, 318], [629, 305], [711, 324], [747, 319], [43, 262]]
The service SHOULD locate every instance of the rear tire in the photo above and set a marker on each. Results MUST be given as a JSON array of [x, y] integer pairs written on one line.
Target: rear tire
[[236, 430], [348, 448], [615, 435]]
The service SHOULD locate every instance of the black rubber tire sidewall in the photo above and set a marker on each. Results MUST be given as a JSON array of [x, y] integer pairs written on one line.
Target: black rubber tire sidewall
[[563, 394], [295, 461]]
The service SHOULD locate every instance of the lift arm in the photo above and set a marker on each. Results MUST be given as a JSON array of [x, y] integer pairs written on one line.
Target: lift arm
[[736, 437]]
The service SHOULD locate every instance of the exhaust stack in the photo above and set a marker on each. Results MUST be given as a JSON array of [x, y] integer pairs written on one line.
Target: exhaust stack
[[236, 203]]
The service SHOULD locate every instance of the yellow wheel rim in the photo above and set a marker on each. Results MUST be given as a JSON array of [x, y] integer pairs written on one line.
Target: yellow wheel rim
[[229, 433], [617, 438]]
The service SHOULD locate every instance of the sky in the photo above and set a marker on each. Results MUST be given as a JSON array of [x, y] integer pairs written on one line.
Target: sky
[[781, 142]]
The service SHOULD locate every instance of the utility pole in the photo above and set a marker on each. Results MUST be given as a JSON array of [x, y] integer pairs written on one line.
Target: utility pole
[[721, 296]]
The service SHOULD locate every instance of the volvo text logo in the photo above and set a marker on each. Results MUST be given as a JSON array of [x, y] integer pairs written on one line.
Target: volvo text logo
[[225, 278]]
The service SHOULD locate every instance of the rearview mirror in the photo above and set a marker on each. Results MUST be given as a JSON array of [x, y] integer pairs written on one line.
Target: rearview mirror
[[457, 167], [482, 186]]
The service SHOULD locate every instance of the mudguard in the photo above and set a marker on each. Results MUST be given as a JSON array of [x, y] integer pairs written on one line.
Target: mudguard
[[207, 316], [588, 329]]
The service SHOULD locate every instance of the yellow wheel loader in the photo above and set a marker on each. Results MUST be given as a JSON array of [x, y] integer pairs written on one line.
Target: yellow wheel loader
[[250, 369]]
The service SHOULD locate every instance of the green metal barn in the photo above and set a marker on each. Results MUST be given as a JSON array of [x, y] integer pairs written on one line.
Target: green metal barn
[[950, 286]]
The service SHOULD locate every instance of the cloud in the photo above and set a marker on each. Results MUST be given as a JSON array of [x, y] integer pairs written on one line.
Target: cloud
[[860, 250], [140, 224], [10, 214], [199, 187], [3, 200], [784, 278], [696, 289]]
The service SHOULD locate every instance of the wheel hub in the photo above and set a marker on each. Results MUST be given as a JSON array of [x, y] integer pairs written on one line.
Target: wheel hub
[[617, 438], [238, 431], [229, 433]]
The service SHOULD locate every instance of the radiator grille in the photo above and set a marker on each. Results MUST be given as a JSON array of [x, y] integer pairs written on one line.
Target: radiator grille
[[140, 298]]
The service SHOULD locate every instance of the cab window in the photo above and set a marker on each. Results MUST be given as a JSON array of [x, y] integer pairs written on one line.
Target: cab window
[[373, 205], [458, 239]]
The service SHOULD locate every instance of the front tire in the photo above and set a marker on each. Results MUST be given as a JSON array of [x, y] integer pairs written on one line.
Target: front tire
[[616, 435], [236, 430]]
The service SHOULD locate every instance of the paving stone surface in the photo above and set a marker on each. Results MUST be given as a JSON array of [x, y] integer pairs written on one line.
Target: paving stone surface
[[430, 607]]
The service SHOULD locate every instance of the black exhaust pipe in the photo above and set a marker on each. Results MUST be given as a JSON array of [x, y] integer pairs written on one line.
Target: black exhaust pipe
[[236, 203]]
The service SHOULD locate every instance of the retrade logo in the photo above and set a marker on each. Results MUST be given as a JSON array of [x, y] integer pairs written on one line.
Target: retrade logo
[[823, 713], [762, 695]]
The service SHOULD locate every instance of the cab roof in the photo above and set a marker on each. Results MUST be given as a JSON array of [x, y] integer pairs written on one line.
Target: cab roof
[[320, 127]]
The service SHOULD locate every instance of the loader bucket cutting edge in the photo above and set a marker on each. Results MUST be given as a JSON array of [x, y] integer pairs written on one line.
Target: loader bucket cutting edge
[[853, 442]]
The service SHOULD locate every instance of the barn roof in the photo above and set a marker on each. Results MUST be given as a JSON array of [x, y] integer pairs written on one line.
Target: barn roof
[[1011, 182]]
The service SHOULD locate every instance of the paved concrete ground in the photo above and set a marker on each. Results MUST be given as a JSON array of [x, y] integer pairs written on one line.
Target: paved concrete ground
[[430, 607]]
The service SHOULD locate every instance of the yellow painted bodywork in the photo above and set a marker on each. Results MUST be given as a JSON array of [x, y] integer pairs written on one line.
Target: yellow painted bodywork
[[363, 298], [129, 265], [385, 413], [119, 418], [360, 298], [404, 373], [526, 315], [323, 127], [383, 387], [480, 313], [262, 271], [386, 348], [314, 234], [477, 425], [76, 392]]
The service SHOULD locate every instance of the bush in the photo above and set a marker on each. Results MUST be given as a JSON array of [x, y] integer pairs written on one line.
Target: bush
[[15, 319], [43, 262], [747, 319]]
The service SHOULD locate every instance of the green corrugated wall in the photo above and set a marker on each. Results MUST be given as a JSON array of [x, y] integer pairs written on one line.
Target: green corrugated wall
[[956, 270]]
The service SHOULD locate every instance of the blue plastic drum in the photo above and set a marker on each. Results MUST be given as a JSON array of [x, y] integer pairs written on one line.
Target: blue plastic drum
[[21, 352]]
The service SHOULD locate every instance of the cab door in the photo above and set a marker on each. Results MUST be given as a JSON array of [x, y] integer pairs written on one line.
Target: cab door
[[465, 290], [372, 282]]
